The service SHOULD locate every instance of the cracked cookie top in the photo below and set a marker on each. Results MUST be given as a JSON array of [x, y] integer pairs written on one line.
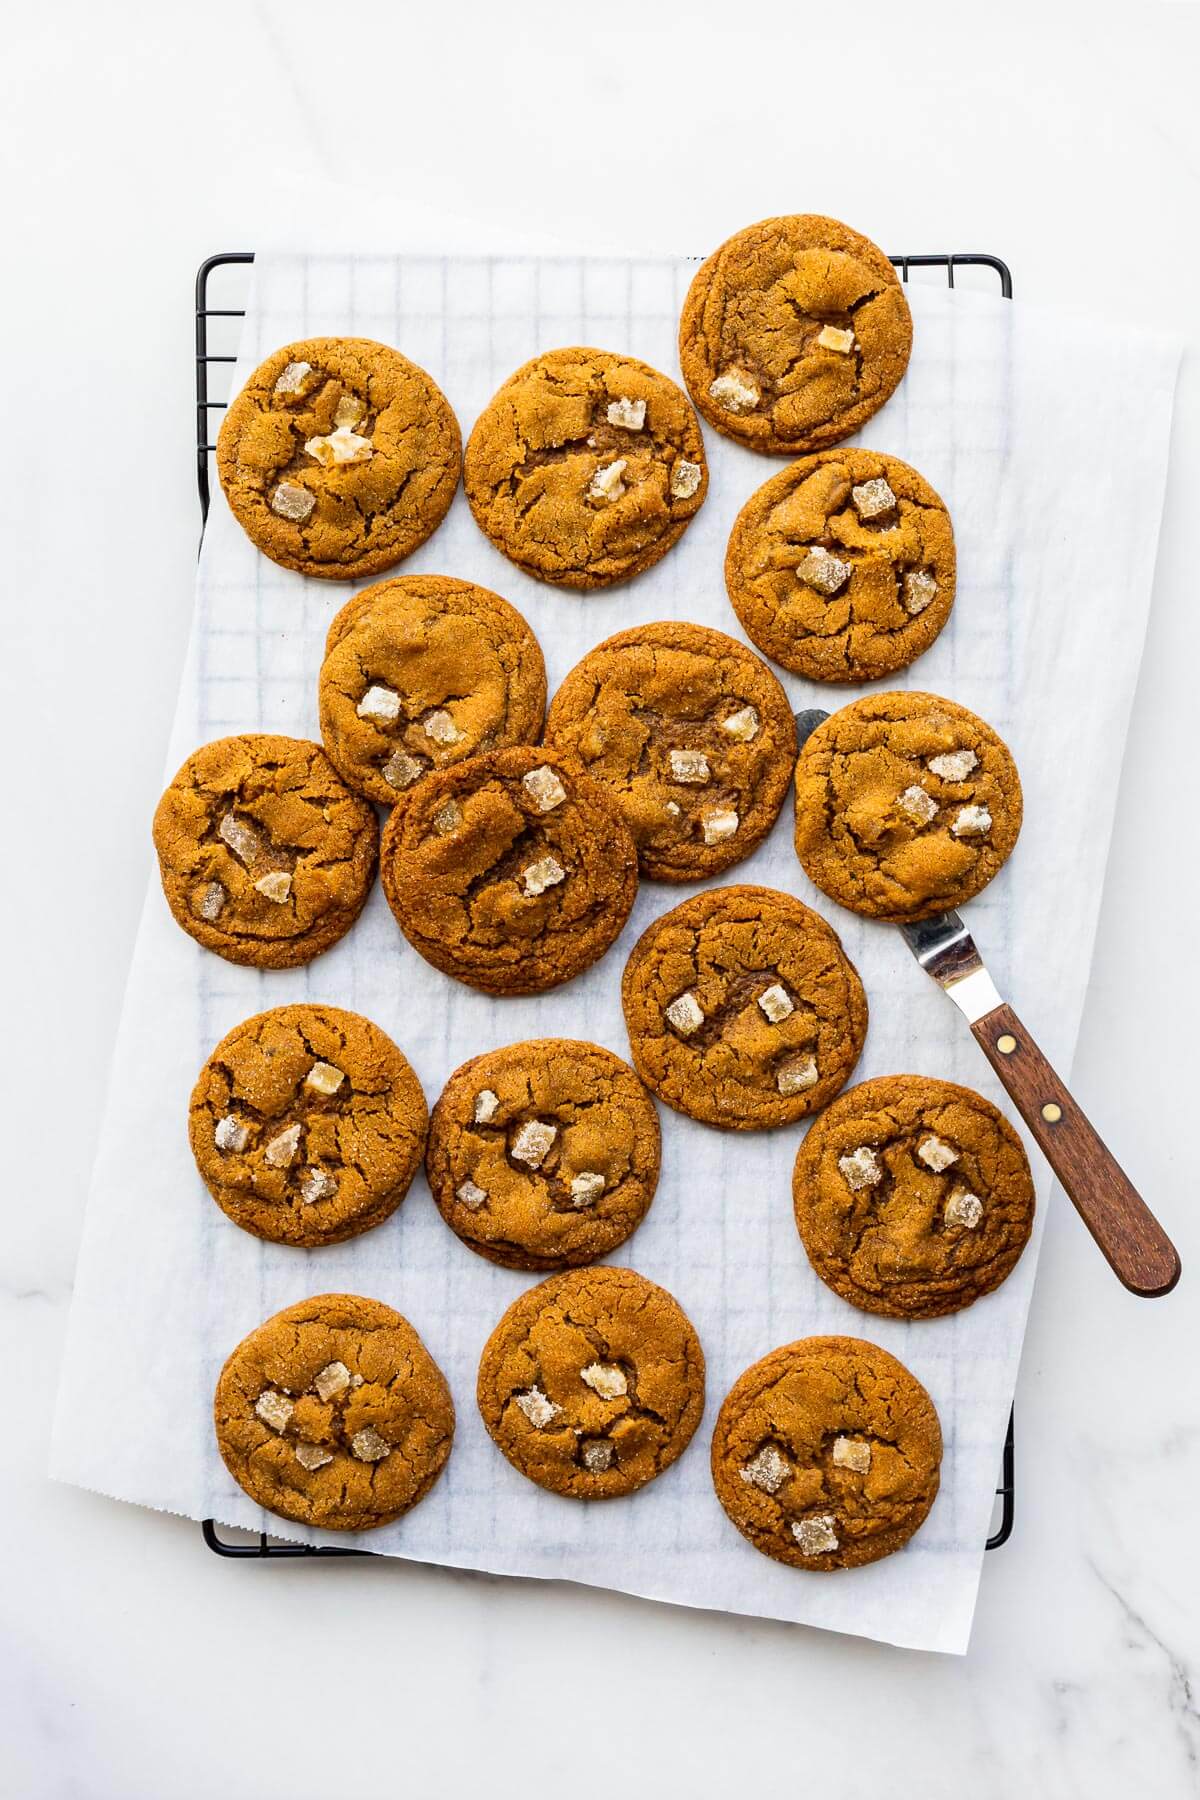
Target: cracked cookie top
[[265, 855], [543, 1155], [827, 1454], [691, 734], [512, 872], [585, 467], [592, 1383], [913, 1197], [793, 333], [307, 1125], [742, 1009], [333, 1413], [421, 672], [842, 566], [339, 457], [906, 804]]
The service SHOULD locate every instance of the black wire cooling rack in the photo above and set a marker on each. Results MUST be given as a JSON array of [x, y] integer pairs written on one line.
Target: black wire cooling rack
[[259, 1545]]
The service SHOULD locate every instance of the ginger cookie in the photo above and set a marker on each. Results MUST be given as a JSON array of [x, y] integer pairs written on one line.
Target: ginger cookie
[[827, 1454], [913, 1197], [307, 1125], [793, 333], [339, 457], [742, 1009], [691, 734], [512, 872], [841, 567], [421, 672], [585, 467], [265, 855], [333, 1413], [906, 805], [592, 1383], [544, 1155]]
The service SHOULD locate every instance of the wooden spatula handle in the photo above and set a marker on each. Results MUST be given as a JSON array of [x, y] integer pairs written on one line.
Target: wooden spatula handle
[[1137, 1249]]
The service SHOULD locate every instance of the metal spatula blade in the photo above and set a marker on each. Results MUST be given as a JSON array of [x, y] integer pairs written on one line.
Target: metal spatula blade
[[1136, 1247]]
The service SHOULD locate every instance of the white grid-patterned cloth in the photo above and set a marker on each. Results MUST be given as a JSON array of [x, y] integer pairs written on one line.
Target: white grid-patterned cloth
[[1014, 420]]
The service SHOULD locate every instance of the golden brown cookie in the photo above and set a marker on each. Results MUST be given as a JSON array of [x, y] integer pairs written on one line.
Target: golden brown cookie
[[334, 1414], [742, 1009], [827, 1454], [913, 1197], [585, 467], [841, 567], [512, 872], [906, 804], [307, 1125], [265, 855], [424, 671], [793, 333], [592, 1383], [545, 1154], [690, 733], [339, 457]]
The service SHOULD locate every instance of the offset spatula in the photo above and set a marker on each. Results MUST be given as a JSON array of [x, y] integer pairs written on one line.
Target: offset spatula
[[1136, 1247]]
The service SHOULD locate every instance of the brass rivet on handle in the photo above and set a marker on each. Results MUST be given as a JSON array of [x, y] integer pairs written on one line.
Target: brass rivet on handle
[[1051, 1113], [1006, 1044]]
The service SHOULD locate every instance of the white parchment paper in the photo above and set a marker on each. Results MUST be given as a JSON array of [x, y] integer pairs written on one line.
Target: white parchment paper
[[1047, 436]]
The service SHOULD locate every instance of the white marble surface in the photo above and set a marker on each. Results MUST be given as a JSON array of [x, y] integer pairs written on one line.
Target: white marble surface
[[131, 1663]]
